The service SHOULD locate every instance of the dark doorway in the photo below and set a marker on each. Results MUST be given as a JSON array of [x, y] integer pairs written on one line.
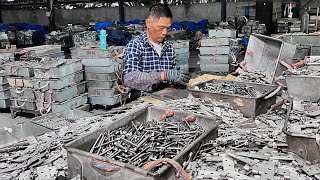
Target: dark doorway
[[264, 14]]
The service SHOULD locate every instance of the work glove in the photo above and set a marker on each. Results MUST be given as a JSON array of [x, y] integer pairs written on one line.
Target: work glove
[[176, 76]]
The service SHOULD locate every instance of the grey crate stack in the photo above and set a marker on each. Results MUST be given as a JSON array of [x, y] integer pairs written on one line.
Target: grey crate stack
[[6, 56], [217, 51], [254, 27], [46, 82], [182, 53], [100, 73]]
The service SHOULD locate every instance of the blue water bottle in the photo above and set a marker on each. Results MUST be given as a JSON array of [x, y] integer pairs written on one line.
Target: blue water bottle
[[103, 39]]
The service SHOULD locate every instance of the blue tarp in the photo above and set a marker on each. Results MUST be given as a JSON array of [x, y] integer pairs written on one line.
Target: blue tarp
[[201, 25], [136, 21], [22, 26], [101, 25]]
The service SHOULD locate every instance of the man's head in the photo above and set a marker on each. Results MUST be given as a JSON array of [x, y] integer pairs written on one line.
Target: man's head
[[158, 22]]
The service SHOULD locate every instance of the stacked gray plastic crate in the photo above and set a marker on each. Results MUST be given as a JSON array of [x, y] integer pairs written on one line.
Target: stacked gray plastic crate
[[216, 54], [100, 73], [46, 82], [4, 85], [182, 53]]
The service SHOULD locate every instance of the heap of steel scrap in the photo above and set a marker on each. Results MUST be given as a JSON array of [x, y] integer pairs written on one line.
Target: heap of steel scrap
[[140, 143], [231, 88], [244, 149], [44, 157]]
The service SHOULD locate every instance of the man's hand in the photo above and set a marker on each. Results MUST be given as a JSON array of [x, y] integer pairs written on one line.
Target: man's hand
[[177, 76]]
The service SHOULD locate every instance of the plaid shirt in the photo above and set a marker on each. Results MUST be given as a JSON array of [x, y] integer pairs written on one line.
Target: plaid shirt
[[141, 56]]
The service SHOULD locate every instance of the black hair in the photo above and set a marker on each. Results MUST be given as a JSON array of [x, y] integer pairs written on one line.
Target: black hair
[[159, 10]]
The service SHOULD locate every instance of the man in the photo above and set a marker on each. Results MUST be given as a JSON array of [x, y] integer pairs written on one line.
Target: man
[[150, 58]]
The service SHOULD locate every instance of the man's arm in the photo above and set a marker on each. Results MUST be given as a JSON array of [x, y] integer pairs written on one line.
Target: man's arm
[[142, 81], [133, 77]]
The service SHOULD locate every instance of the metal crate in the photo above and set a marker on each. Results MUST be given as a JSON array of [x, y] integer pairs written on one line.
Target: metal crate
[[305, 88], [215, 41], [93, 91], [182, 62], [181, 44], [248, 106], [86, 52], [57, 69], [68, 104], [79, 157], [105, 100], [101, 84], [5, 103], [23, 103], [215, 59], [55, 121], [17, 69], [40, 51], [184, 56], [102, 69], [45, 84], [3, 80], [100, 76], [101, 62], [215, 50], [219, 33], [27, 93], [4, 86], [64, 94], [181, 50], [215, 68], [262, 54], [4, 94]]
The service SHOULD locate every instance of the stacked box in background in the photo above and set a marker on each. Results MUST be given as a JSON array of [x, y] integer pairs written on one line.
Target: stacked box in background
[[217, 52], [46, 82], [102, 74], [182, 53], [254, 27]]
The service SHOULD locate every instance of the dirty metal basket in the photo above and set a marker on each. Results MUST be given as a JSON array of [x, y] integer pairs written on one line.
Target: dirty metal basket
[[95, 52], [5, 103], [102, 84], [38, 51], [100, 76], [28, 93], [248, 106], [303, 87], [5, 94], [215, 68], [105, 100], [93, 91], [68, 104], [3, 80], [263, 55], [57, 120], [79, 157], [45, 84], [57, 69], [184, 56], [100, 62], [181, 44], [64, 94], [305, 146], [22, 103], [18, 69], [215, 59], [4, 86]]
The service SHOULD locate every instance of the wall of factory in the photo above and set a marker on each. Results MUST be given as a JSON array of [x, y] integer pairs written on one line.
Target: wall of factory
[[194, 12]]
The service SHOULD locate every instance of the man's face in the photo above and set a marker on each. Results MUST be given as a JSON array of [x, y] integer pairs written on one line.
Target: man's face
[[158, 29]]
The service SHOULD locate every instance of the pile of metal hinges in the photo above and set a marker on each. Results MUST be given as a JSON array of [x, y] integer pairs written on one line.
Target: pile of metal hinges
[[255, 77], [232, 89], [305, 120]]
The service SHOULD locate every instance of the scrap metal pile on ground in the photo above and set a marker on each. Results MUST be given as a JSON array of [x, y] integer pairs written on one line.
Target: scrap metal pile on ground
[[44, 157]]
